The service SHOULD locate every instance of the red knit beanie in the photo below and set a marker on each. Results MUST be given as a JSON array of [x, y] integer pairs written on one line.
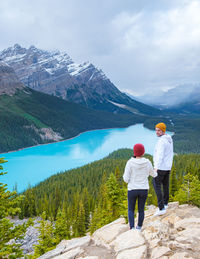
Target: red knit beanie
[[138, 150]]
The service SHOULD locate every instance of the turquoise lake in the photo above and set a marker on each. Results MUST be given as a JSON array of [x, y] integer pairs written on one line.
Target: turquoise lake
[[33, 165]]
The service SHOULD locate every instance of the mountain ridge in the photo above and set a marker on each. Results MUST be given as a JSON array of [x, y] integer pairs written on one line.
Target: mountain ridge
[[54, 73]]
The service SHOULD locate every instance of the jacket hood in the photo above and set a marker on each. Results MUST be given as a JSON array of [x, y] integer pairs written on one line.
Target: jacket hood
[[167, 138], [138, 162]]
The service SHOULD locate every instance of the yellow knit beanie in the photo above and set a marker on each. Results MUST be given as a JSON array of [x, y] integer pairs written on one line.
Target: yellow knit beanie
[[161, 126]]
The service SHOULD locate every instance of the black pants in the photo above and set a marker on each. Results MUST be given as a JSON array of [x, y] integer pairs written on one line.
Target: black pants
[[141, 196], [159, 182]]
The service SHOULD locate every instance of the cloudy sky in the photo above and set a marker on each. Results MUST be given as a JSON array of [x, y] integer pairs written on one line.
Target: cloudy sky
[[142, 46]]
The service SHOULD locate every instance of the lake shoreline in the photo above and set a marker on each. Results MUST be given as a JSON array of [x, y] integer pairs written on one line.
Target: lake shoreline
[[31, 166], [69, 138]]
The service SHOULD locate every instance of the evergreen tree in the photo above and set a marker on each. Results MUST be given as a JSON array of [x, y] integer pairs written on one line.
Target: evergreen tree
[[47, 240], [81, 231], [189, 191], [86, 206], [173, 181], [115, 196], [117, 174], [28, 206], [62, 227], [9, 206]]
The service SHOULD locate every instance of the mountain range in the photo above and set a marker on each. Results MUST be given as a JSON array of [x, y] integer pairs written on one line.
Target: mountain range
[[55, 73]]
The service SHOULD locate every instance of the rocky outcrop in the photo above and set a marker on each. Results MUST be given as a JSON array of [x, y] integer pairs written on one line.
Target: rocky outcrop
[[31, 237], [174, 235], [46, 134], [9, 82]]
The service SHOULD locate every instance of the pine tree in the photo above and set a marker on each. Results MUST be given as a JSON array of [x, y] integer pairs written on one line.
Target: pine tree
[[115, 196], [81, 231], [173, 182], [28, 206], [62, 227], [189, 191], [47, 240], [117, 174], [86, 207], [9, 205]]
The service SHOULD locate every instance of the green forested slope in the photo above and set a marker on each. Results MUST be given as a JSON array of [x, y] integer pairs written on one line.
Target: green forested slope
[[25, 113]]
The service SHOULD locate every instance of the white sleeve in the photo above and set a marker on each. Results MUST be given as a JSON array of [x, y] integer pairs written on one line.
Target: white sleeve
[[127, 172], [159, 154], [151, 171]]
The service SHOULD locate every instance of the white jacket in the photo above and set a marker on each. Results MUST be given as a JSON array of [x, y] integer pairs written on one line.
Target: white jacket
[[136, 173], [163, 153]]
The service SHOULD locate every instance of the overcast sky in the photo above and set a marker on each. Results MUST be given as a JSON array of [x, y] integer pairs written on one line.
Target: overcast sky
[[141, 45]]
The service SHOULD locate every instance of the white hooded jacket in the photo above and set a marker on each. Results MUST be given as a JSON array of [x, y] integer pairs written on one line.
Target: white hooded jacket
[[163, 153], [136, 173]]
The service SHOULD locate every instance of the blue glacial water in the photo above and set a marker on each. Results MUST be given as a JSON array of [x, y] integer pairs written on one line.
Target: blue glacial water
[[33, 165]]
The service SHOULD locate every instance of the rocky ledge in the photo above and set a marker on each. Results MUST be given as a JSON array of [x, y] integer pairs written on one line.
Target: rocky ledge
[[174, 235]]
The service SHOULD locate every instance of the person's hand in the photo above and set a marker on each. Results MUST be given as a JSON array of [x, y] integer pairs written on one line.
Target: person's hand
[[155, 170]]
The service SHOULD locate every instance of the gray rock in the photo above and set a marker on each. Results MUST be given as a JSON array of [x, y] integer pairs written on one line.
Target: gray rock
[[127, 240], [135, 253], [108, 233], [9, 82], [67, 245], [70, 254]]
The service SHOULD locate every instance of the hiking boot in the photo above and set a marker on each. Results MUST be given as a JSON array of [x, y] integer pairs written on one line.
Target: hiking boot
[[160, 212], [139, 228]]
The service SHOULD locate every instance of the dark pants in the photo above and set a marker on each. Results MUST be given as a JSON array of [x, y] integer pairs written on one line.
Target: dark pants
[[141, 196], [162, 180]]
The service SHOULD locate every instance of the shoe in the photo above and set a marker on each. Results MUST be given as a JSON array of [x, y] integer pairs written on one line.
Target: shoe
[[139, 228], [160, 212], [166, 206], [132, 228]]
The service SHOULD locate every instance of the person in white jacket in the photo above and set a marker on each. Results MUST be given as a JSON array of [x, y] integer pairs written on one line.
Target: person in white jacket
[[136, 174], [162, 158]]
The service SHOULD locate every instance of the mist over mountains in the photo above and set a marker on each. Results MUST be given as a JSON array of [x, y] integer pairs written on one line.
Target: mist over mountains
[[174, 97]]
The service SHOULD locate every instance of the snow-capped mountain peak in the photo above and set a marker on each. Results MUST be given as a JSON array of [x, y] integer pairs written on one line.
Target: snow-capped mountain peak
[[55, 73]]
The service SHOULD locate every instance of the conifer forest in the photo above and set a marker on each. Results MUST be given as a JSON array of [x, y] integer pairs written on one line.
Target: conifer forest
[[81, 200]]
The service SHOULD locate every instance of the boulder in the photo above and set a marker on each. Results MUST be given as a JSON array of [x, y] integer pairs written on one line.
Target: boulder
[[70, 254], [135, 253], [182, 255], [105, 235], [157, 252], [89, 257], [127, 240], [67, 245]]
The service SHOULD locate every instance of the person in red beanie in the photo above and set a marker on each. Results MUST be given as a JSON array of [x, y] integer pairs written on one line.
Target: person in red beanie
[[136, 174]]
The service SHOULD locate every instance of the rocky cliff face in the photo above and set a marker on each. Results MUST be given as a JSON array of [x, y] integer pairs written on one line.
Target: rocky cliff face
[[56, 74], [9, 82], [174, 235]]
